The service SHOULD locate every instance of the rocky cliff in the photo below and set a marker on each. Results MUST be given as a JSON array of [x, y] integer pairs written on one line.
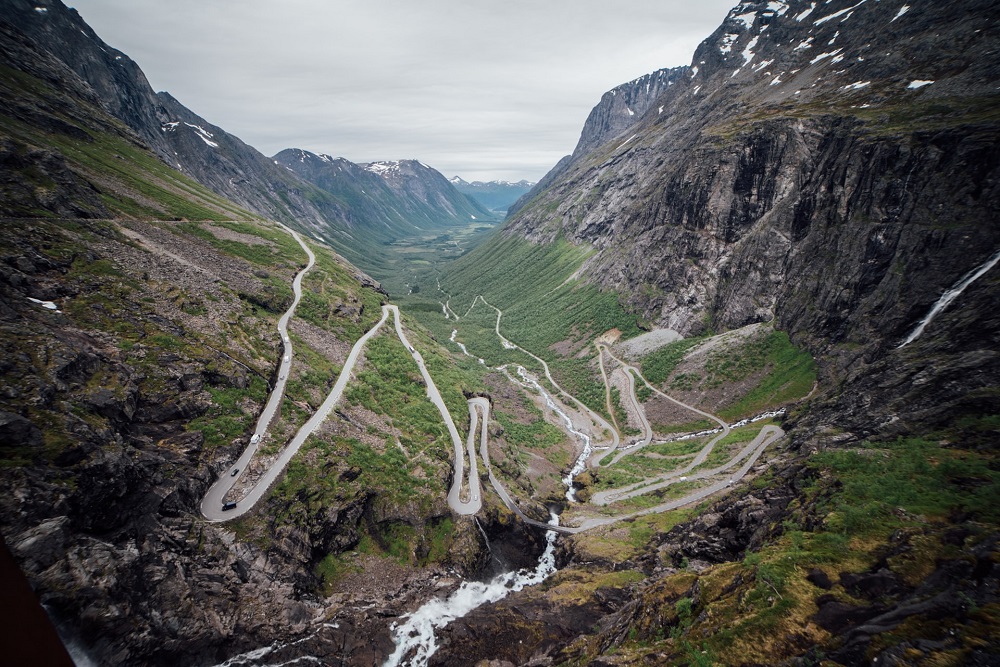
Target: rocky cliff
[[831, 166]]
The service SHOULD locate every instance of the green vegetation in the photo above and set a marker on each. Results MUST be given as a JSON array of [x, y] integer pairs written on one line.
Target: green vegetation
[[225, 421], [271, 246], [390, 384], [881, 505], [544, 310], [657, 366], [539, 434], [634, 468], [332, 301], [914, 474], [770, 370], [892, 117]]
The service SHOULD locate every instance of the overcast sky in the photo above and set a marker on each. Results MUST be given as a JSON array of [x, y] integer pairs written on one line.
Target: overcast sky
[[483, 89]]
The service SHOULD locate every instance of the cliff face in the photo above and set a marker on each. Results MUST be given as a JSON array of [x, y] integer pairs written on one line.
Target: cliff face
[[833, 167], [622, 107]]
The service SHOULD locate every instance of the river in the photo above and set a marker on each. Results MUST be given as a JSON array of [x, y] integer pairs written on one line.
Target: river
[[415, 638]]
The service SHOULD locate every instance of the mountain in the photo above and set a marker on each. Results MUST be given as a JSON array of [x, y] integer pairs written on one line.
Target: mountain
[[810, 206], [619, 109], [229, 167], [405, 196], [829, 169], [496, 196], [177, 135], [138, 329]]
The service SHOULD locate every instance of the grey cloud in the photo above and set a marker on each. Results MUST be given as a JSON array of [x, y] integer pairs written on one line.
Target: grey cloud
[[483, 89]]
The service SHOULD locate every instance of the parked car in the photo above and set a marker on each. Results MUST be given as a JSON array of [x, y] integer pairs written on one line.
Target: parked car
[[233, 473]]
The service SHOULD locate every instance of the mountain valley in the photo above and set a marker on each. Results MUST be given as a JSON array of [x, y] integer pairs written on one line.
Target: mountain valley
[[721, 388]]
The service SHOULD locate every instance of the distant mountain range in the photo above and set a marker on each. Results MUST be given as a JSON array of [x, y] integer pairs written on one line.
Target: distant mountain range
[[355, 212], [497, 196]]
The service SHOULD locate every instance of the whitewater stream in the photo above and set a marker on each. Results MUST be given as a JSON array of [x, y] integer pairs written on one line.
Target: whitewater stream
[[414, 635], [415, 640], [950, 295], [581, 461]]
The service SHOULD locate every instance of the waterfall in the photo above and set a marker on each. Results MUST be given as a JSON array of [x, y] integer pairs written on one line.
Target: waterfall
[[415, 640], [486, 539], [950, 295]]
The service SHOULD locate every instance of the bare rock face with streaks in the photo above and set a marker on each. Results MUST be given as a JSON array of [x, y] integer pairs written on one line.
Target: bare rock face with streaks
[[830, 167]]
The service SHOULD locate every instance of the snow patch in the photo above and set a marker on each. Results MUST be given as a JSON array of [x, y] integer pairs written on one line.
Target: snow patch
[[746, 19], [837, 14], [727, 42], [169, 127], [203, 134], [694, 71], [806, 13], [383, 168], [633, 136], [778, 7], [43, 10], [821, 56], [918, 83], [48, 305], [630, 112], [748, 53], [776, 80], [857, 85], [902, 10], [804, 44]]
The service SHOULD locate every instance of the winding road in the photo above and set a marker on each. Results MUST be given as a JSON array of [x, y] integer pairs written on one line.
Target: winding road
[[465, 494], [213, 502], [599, 420], [750, 453], [455, 501]]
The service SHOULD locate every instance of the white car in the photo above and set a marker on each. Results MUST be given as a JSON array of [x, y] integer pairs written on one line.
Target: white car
[[684, 479], [286, 357], [255, 438]]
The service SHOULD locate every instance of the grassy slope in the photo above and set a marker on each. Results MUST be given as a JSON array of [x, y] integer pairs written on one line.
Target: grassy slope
[[133, 183], [890, 505]]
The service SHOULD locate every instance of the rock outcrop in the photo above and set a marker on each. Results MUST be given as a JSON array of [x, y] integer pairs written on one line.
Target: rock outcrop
[[830, 167]]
